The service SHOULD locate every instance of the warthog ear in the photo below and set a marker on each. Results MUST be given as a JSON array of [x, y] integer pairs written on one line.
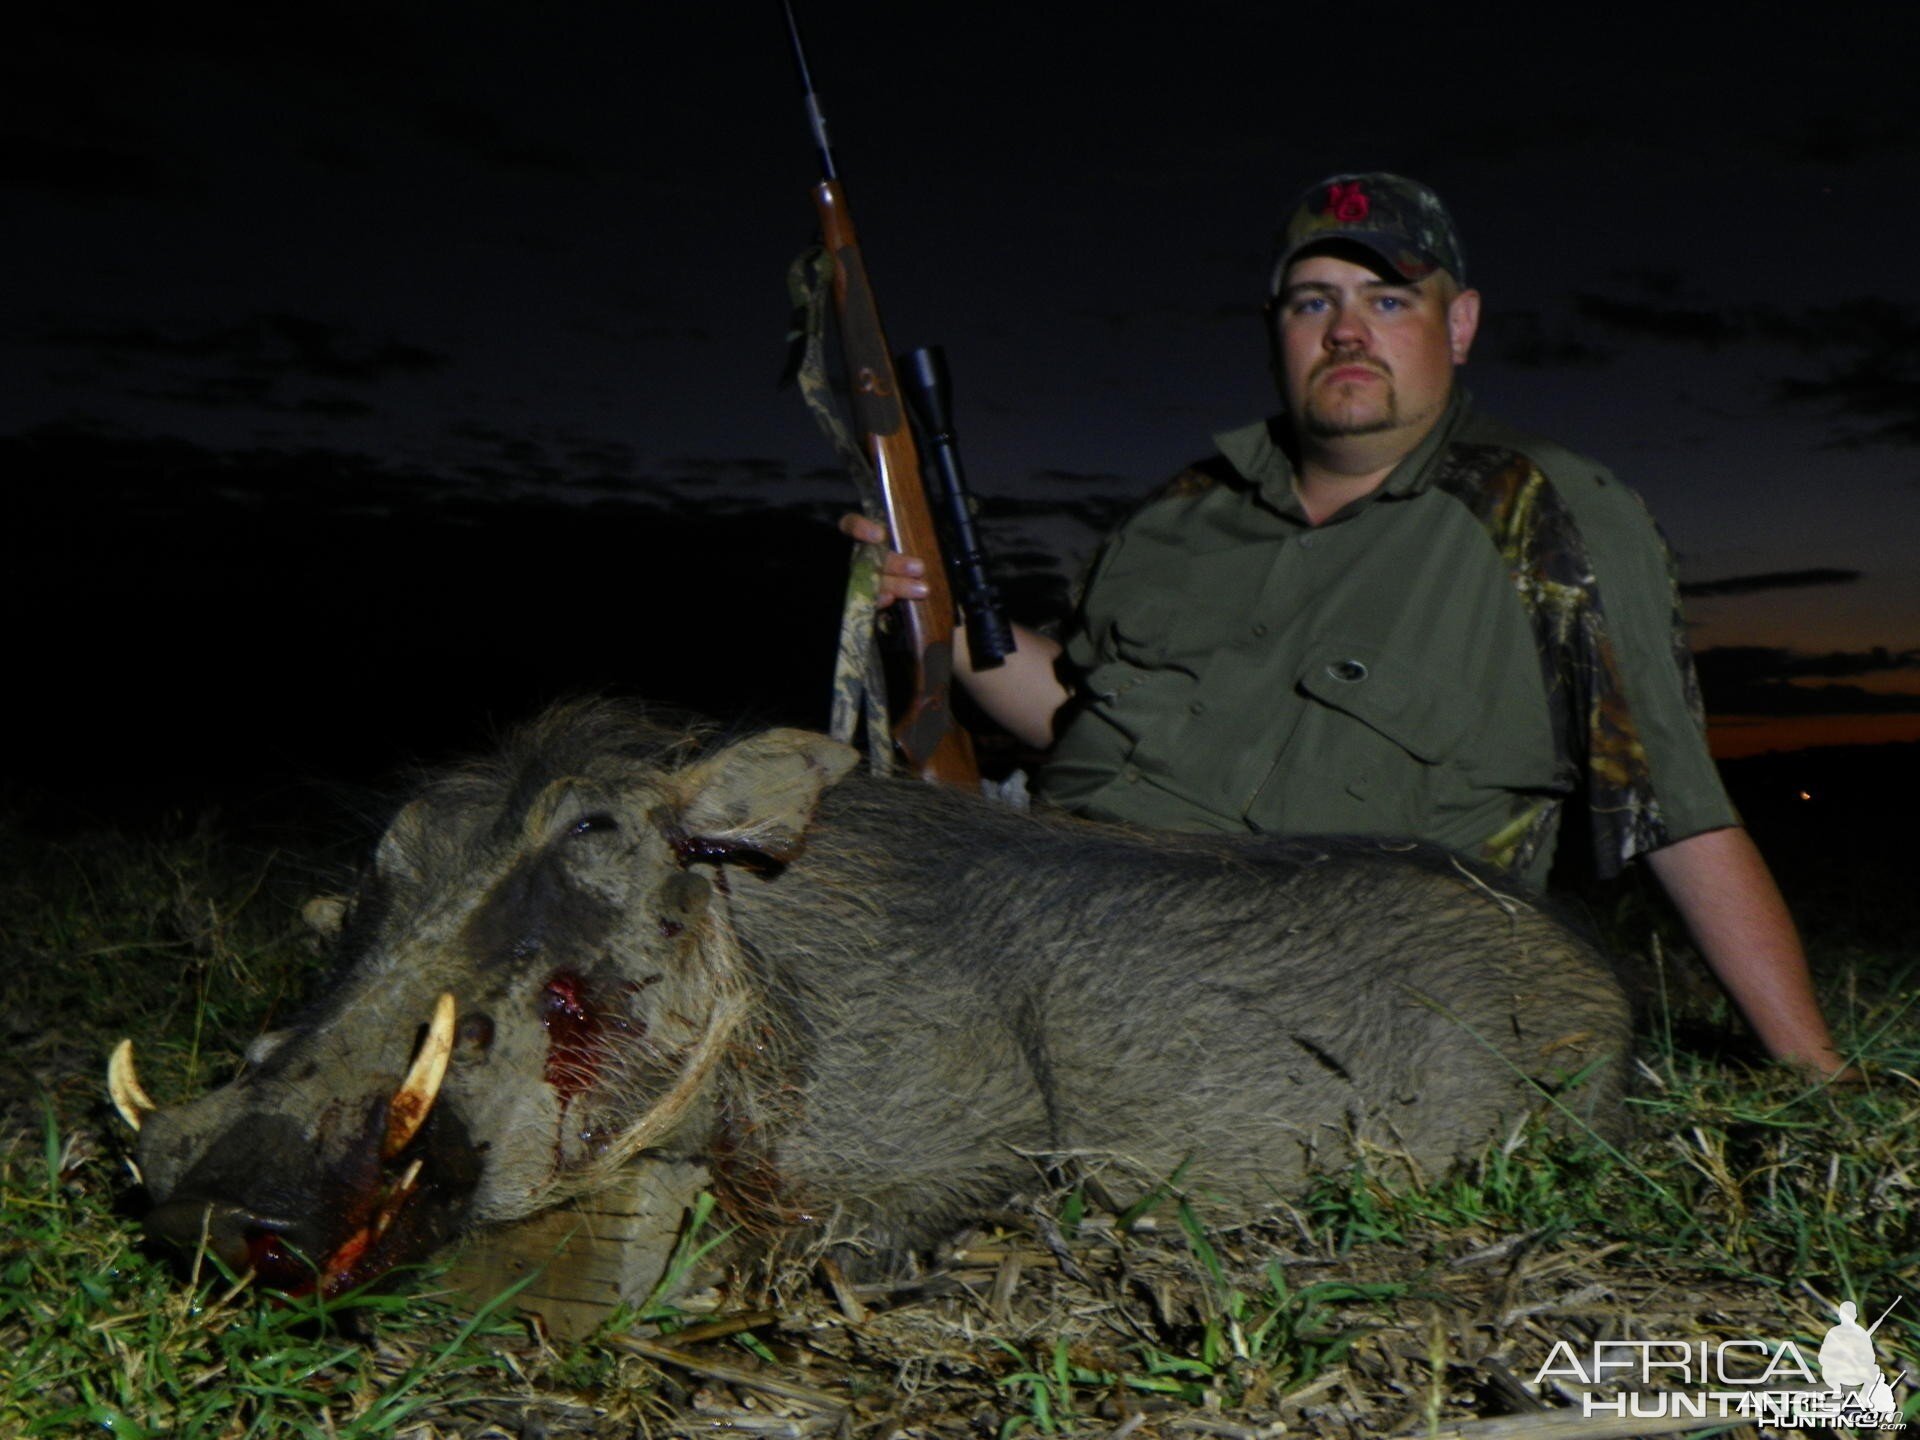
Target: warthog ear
[[759, 795]]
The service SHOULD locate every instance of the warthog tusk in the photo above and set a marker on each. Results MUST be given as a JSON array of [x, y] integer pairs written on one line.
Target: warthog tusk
[[407, 1111], [398, 1198], [124, 1086]]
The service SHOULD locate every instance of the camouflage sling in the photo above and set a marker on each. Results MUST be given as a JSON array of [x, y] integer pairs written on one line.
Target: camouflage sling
[[859, 681]]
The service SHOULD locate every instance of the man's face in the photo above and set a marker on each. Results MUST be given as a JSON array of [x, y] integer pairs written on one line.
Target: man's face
[[1362, 353]]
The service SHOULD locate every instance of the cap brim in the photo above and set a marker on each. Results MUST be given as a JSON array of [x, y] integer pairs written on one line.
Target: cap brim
[[1389, 249]]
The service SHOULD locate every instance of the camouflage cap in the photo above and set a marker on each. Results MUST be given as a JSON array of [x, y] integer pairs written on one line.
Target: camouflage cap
[[1399, 220]]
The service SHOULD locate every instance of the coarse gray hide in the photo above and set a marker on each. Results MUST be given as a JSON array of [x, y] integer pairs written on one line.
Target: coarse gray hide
[[874, 1008]]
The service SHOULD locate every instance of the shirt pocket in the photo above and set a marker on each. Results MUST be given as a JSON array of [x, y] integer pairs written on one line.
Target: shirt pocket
[[1365, 754], [1419, 713]]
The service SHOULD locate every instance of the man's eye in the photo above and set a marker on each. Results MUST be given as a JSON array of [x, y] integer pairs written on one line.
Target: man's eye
[[1310, 305], [1391, 302]]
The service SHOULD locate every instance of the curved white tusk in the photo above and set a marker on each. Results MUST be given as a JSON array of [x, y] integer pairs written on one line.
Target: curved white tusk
[[407, 1111], [124, 1086]]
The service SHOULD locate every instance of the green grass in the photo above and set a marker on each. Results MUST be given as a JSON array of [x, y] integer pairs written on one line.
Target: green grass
[[100, 1338], [1760, 1190]]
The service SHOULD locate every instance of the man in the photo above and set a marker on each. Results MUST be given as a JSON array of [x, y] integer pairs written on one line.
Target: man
[[1382, 613]]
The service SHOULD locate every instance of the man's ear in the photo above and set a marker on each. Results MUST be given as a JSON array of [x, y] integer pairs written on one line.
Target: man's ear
[[1463, 323]]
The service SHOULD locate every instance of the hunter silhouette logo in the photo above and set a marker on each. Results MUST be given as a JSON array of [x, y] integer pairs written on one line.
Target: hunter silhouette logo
[[1748, 1379], [1847, 1365]]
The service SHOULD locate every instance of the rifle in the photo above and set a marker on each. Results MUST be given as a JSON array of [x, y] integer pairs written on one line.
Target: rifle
[[928, 736]]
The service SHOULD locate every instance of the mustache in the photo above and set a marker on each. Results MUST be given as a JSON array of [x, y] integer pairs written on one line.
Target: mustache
[[1350, 357]]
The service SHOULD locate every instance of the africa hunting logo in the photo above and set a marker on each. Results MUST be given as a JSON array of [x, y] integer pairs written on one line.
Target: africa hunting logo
[[1749, 1380]]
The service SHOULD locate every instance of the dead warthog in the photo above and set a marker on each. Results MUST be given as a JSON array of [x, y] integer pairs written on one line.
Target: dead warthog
[[874, 1008]]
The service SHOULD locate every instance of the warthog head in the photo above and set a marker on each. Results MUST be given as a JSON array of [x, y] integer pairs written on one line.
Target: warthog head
[[536, 977]]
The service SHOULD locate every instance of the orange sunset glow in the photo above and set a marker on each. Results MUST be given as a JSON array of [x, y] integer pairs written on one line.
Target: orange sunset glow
[[1734, 737]]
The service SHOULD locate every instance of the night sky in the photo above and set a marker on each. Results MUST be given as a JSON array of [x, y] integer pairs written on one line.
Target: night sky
[[363, 366]]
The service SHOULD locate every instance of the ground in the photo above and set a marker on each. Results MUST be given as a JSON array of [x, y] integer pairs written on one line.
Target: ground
[[1747, 1205]]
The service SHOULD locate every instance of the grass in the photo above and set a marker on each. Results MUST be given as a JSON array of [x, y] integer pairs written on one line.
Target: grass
[[1748, 1204], [99, 1338]]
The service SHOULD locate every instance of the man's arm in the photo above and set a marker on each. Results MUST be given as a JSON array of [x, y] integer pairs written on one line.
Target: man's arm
[[1024, 693], [1727, 897]]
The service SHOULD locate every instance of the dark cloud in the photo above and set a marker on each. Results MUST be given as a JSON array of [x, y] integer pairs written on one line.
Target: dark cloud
[[1771, 580], [1745, 664], [1522, 338], [1687, 324], [272, 344], [602, 455], [1877, 377], [1867, 323], [1781, 698], [1881, 389], [747, 469], [1764, 680], [217, 392], [253, 392], [1873, 387], [1104, 478], [334, 407], [92, 468]]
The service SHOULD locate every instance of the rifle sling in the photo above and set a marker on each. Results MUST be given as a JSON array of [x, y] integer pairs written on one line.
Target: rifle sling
[[859, 679]]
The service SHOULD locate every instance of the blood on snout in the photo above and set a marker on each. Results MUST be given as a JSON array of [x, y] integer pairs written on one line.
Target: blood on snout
[[276, 1265], [573, 1035], [577, 1031]]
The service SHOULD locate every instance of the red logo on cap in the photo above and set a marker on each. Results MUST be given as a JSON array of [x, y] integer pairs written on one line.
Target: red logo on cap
[[1348, 203]]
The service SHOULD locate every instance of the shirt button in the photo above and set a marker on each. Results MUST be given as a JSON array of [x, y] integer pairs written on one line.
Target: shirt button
[[1348, 670], [1198, 707], [1259, 627], [1305, 541], [1130, 773]]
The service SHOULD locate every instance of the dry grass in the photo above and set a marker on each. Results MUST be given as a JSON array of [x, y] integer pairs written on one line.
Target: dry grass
[[1748, 1205]]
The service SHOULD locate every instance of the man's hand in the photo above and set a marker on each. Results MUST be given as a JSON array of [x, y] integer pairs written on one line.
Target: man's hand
[[1024, 694], [899, 574]]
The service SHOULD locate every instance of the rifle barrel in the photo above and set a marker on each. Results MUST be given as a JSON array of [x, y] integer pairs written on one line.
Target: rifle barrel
[[816, 118]]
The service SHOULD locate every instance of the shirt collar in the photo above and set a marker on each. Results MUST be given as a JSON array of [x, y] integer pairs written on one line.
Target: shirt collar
[[1257, 452]]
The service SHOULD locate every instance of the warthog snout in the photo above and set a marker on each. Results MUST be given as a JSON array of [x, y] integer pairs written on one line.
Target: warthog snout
[[238, 1238], [325, 1204]]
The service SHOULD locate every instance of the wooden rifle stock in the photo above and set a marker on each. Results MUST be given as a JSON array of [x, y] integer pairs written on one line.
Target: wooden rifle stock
[[929, 737], [925, 732]]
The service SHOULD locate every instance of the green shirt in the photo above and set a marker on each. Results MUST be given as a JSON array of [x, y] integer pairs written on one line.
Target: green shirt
[[1490, 634]]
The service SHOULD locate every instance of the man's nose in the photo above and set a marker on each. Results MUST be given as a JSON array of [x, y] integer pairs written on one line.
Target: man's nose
[[1347, 330]]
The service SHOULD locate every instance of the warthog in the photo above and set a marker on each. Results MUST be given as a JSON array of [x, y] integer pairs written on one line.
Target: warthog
[[874, 1008]]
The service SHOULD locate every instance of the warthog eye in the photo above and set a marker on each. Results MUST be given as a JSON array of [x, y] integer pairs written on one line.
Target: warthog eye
[[594, 823]]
